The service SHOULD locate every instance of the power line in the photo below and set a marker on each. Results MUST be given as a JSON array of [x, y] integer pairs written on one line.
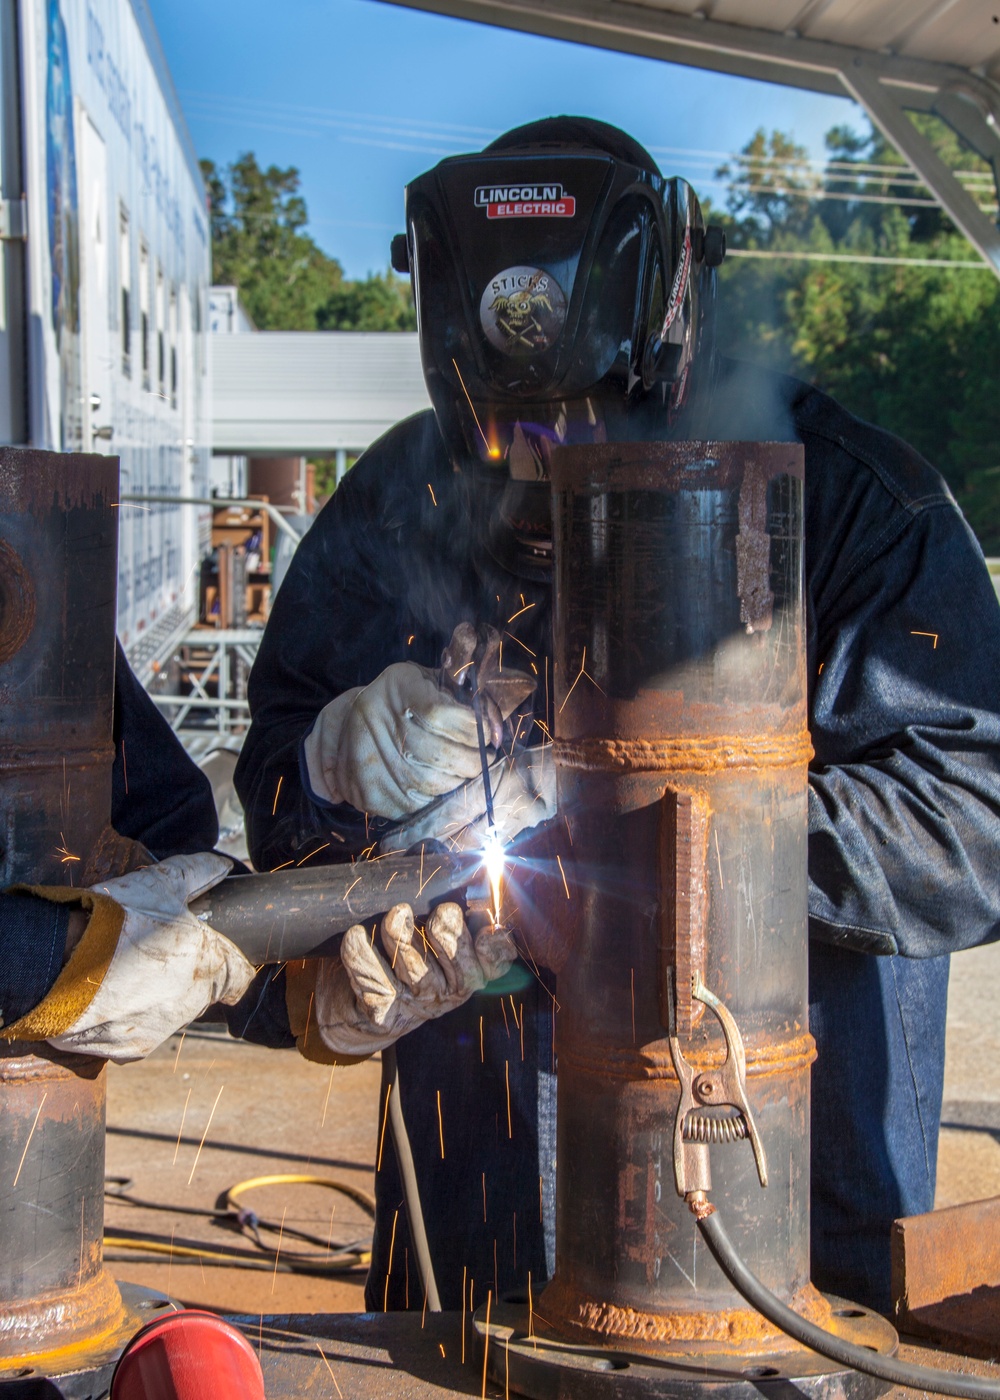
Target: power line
[[856, 258]]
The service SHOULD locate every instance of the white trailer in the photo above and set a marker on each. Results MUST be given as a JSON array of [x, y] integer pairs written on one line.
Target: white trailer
[[103, 302]]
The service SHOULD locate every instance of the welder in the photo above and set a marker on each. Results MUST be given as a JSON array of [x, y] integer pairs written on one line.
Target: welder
[[565, 293]]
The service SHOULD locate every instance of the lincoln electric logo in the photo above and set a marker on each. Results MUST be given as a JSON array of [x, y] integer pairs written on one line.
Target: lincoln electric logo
[[525, 202]]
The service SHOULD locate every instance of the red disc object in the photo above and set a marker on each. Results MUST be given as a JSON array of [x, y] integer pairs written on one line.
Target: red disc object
[[188, 1355]]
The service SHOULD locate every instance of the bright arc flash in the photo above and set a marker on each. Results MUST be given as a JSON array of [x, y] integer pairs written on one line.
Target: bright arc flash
[[494, 861]]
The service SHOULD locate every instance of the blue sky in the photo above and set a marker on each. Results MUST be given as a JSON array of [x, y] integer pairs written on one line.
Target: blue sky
[[361, 96]]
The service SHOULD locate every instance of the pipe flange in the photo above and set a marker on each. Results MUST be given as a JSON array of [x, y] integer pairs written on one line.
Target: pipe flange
[[523, 1356]]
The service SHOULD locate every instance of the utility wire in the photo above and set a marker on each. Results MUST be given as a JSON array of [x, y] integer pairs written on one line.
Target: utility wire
[[777, 254]]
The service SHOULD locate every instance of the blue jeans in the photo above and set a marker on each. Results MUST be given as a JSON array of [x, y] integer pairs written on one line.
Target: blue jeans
[[876, 1106]]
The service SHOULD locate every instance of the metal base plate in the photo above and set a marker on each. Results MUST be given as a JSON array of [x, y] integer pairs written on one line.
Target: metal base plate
[[546, 1368], [84, 1372]]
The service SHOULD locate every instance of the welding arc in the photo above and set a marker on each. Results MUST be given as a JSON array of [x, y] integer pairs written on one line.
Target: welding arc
[[484, 760], [886, 1368]]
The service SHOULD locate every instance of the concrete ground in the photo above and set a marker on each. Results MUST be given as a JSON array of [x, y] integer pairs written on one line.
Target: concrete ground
[[206, 1113]]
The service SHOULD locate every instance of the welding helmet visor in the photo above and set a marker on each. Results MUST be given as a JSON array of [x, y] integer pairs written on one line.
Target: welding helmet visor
[[562, 296]]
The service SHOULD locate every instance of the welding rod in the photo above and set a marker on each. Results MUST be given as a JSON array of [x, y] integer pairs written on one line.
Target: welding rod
[[299, 913]]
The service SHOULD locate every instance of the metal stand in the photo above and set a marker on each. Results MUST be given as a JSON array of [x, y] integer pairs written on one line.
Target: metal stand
[[524, 1356], [84, 1372]]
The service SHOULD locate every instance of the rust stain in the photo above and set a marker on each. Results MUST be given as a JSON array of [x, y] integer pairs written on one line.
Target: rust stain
[[619, 1062], [17, 603], [753, 553], [671, 466], [714, 754], [569, 1310], [684, 823]]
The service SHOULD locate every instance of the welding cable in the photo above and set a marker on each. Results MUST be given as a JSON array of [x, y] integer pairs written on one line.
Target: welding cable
[[287, 1264], [229, 1208], [408, 1176], [886, 1368]]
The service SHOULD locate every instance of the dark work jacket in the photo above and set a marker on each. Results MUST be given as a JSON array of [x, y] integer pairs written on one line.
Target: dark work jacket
[[158, 796], [904, 803], [903, 639]]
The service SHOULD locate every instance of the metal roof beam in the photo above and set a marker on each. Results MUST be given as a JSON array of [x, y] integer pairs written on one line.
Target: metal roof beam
[[884, 83], [892, 121], [742, 50]]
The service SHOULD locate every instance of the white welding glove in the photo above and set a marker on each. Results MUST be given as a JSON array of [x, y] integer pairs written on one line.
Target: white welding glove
[[144, 967], [389, 748], [365, 1001], [524, 795]]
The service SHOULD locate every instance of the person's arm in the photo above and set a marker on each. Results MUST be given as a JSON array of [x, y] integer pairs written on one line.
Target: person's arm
[[369, 586], [904, 800], [159, 796], [134, 965]]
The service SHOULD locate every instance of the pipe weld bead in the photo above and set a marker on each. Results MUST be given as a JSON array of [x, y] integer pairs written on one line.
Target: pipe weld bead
[[715, 754]]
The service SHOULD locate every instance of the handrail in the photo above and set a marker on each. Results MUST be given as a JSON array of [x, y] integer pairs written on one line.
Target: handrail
[[218, 503]]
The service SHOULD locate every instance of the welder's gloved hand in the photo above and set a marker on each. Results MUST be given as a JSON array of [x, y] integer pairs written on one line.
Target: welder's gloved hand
[[144, 967], [524, 795], [389, 748], [365, 1000]]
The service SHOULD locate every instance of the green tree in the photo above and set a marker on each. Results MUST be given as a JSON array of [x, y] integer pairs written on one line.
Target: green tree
[[257, 220], [913, 349], [384, 302]]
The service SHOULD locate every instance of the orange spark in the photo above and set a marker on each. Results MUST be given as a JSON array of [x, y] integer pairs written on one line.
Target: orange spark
[[563, 874], [388, 1272], [520, 643], [927, 634], [277, 794], [313, 853], [385, 1119], [31, 1133], [506, 1075], [493, 451], [330, 1369], [440, 1125], [326, 1103], [486, 1338], [277, 1252], [582, 672], [180, 1130], [180, 1047], [463, 1313], [431, 490], [204, 1135], [526, 608]]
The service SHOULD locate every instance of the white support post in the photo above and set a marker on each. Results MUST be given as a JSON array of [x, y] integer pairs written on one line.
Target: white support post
[[863, 84]]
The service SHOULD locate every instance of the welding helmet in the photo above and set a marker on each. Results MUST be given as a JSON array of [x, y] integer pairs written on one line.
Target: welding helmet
[[565, 293]]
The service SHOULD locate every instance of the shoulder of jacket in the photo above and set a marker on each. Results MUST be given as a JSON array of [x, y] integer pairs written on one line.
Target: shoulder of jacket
[[412, 445], [833, 437]]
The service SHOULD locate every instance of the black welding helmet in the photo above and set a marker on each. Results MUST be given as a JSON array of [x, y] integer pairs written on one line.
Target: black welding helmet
[[564, 293]]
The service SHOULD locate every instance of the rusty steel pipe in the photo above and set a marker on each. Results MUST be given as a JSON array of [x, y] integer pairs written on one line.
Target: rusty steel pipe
[[58, 576], [681, 751]]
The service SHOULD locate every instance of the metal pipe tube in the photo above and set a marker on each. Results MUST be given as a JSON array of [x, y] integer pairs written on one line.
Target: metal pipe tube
[[58, 576], [300, 913], [681, 751]]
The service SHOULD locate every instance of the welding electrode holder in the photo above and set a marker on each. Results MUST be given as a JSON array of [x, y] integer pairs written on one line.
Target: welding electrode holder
[[695, 1129]]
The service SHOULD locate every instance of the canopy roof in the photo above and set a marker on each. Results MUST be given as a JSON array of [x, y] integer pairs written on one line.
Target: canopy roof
[[940, 56]]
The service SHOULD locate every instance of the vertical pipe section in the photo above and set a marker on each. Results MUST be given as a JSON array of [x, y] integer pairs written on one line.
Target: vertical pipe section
[[682, 754], [58, 573]]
